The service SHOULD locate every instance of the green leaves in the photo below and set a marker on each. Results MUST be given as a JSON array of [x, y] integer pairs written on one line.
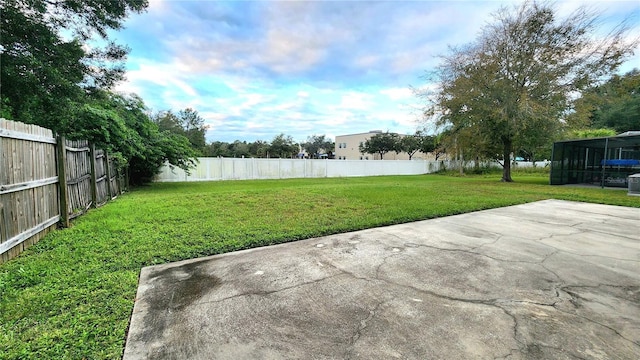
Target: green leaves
[[614, 104], [43, 74], [510, 89], [282, 146], [590, 133], [381, 144], [317, 144], [187, 123]]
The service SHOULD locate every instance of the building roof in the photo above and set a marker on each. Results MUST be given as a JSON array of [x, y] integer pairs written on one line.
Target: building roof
[[629, 138], [364, 133], [372, 132]]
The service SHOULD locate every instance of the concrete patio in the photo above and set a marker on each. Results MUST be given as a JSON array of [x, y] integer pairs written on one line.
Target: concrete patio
[[546, 280]]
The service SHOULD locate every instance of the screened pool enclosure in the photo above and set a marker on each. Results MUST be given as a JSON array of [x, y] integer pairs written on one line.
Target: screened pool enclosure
[[604, 161]]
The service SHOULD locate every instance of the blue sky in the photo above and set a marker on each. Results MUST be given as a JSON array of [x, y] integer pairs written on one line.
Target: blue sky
[[254, 69]]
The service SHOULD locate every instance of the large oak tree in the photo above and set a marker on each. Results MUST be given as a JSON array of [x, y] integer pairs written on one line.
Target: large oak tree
[[513, 85]]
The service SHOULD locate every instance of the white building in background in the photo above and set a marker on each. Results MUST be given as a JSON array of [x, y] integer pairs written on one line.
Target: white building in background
[[348, 148]]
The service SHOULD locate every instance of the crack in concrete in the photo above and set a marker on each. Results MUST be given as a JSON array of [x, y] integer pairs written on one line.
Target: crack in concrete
[[522, 217], [560, 350], [584, 255], [598, 231], [477, 253], [485, 302], [556, 250], [361, 327], [576, 295], [497, 302], [623, 287], [505, 357], [508, 301], [539, 263], [551, 271], [599, 214], [500, 237], [384, 262]]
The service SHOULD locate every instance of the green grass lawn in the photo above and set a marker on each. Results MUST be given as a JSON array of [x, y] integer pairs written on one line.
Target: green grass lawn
[[71, 295]]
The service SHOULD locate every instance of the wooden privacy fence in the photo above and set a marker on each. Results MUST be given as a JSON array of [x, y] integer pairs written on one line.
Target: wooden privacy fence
[[47, 180]]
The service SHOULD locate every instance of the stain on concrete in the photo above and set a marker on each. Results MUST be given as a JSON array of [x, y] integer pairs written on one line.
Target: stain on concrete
[[175, 288]]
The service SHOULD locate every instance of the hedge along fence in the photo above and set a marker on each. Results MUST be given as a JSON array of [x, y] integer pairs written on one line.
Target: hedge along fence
[[46, 181]]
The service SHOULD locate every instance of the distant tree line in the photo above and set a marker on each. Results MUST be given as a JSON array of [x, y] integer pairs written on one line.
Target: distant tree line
[[281, 146], [411, 144]]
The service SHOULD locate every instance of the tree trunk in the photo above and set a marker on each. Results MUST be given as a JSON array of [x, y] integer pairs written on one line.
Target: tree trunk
[[506, 167]]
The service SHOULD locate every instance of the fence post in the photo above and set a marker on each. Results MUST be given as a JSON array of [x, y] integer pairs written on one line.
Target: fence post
[[107, 167], [118, 187], [126, 178], [326, 167], [94, 176], [3, 234], [62, 180]]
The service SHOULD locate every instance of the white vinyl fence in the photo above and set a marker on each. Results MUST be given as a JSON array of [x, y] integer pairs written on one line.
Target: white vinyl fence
[[215, 169], [212, 169]]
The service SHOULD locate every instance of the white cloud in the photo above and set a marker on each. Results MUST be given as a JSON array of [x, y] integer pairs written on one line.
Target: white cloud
[[255, 69], [160, 74], [397, 93], [356, 100]]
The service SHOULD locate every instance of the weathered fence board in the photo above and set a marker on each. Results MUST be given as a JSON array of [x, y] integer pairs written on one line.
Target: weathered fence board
[[101, 177], [28, 186], [78, 174], [45, 181]]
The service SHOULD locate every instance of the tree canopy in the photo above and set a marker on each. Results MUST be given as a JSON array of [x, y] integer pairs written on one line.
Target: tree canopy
[[282, 146], [381, 144], [317, 143], [121, 125], [614, 105], [418, 142], [187, 123], [512, 87], [45, 74], [54, 76]]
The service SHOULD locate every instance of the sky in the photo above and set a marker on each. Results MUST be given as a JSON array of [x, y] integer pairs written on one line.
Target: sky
[[255, 69]]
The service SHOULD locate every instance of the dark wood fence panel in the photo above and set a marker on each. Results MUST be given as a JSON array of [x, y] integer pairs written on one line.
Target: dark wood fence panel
[[113, 179], [101, 177], [78, 174]]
